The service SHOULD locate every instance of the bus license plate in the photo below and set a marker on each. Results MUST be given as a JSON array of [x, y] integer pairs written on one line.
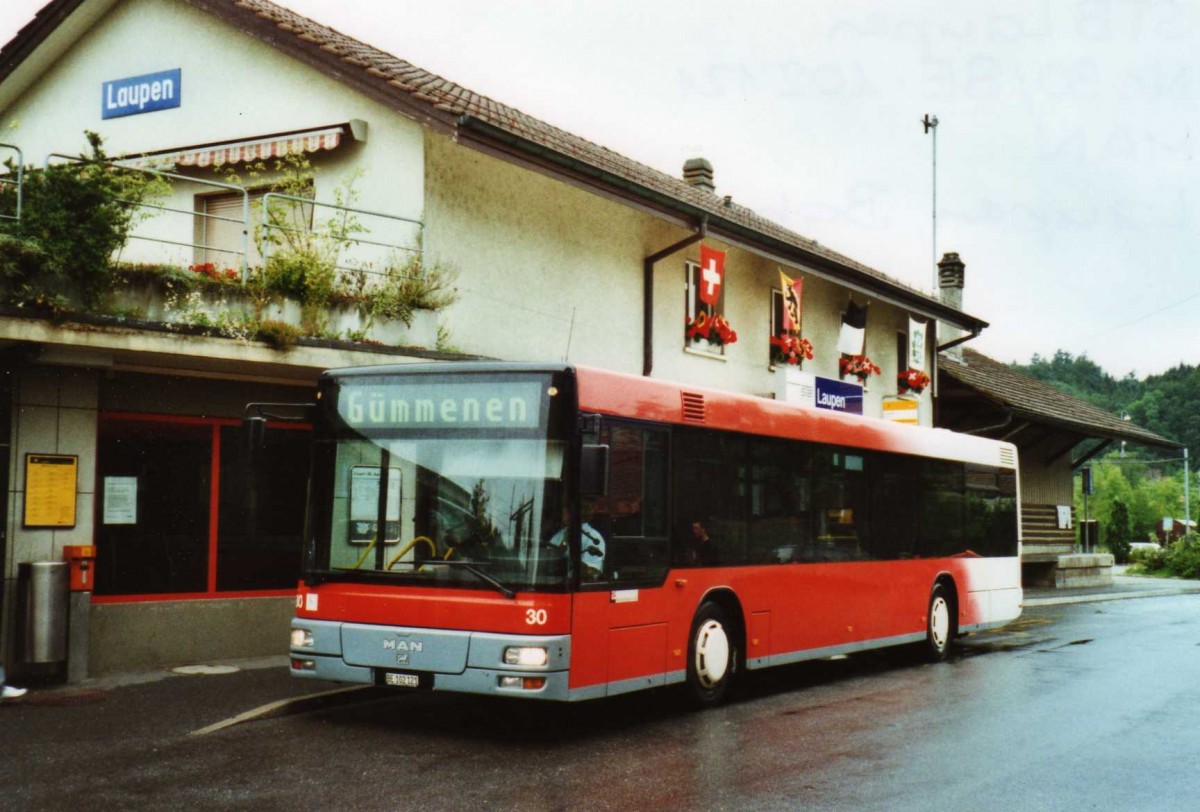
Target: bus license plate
[[402, 680]]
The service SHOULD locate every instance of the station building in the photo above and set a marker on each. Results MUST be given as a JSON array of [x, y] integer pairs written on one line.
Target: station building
[[556, 250]]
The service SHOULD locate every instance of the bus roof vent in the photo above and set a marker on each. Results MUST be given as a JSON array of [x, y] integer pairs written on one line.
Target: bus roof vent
[[1007, 457], [693, 407]]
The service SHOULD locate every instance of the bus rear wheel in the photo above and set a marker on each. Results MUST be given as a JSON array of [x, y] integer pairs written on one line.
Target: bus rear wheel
[[939, 626], [712, 655]]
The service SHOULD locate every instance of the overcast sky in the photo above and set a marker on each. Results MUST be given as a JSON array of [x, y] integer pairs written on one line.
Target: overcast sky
[[1066, 177]]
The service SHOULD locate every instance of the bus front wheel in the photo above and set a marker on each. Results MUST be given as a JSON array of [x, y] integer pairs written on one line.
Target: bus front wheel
[[939, 626], [711, 656]]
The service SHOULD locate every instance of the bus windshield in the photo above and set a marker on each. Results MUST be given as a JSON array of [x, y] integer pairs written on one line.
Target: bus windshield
[[455, 498]]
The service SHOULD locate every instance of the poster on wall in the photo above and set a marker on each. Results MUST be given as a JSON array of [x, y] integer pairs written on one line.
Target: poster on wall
[[120, 499], [50, 481]]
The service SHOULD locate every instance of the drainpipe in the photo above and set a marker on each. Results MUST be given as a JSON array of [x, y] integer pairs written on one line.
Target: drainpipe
[[962, 339], [648, 292]]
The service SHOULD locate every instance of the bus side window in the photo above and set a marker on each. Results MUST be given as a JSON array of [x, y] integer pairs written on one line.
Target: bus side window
[[711, 481], [632, 517]]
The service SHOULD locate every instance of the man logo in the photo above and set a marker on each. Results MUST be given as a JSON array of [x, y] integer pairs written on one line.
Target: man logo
[[403, 645]]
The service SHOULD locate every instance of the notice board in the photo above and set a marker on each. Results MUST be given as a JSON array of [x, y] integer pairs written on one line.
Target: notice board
[[50, 483]]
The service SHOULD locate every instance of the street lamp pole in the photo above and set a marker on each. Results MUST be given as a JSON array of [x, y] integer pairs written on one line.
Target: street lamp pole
[[1187, 496], [930, 123]]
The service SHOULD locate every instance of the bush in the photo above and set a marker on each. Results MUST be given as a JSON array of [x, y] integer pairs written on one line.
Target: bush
[[1151, 560], [1180, 559], [75, 218], [1183, 557], [21, 262], [410, 285], [278, 334]]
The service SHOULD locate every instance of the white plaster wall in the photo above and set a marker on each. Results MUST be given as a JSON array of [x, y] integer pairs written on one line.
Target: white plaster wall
[[550, 272], [233, 88], [545, 271]]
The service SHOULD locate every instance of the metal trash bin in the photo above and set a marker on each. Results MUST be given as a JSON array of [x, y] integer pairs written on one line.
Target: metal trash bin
[[44, 588]]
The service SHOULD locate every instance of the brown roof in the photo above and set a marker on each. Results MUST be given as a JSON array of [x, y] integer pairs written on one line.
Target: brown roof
[[469, 116], [1030, 399]]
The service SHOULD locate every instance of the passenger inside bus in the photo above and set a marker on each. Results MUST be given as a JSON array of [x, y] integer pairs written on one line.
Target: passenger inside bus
[[698, 548]]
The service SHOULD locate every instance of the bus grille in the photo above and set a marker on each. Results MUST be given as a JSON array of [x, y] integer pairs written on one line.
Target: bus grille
[[693, 407]]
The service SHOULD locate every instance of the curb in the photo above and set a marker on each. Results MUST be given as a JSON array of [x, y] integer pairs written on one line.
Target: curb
[[1098, 597]]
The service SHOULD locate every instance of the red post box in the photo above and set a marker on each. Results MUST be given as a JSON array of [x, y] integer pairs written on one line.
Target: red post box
[[81, 559]]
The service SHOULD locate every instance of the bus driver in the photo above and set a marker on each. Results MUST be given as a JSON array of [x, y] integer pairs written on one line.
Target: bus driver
[[591, 544]]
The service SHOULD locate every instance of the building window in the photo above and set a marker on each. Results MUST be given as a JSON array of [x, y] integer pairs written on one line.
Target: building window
[[701, 312], [776, 324], [224, 232], [181, 514]]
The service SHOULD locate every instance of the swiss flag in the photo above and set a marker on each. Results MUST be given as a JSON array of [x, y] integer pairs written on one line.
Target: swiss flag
[[712, 274]]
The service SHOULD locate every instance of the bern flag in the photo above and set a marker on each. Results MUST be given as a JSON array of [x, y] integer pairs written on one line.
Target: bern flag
[[792, 289]]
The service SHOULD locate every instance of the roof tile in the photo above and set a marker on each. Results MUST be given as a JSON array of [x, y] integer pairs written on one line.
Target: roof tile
[[1031, 397], [441, 94]]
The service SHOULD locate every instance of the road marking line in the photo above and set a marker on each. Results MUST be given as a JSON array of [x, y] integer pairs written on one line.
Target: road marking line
[[271, 709]]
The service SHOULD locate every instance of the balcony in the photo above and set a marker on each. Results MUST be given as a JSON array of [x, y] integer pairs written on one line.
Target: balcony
[[260, 260]]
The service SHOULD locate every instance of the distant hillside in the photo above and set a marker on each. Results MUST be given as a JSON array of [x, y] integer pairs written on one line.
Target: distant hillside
[[1166, 404]]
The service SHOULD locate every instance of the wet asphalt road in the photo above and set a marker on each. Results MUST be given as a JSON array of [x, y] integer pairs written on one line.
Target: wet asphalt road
[[1074, 707]]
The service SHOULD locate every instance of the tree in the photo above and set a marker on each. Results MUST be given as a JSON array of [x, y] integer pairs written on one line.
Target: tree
[[75, 217], [1117, 532]]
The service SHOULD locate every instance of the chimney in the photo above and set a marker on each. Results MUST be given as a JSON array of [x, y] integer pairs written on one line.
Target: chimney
[[950, 284], [698, 172]]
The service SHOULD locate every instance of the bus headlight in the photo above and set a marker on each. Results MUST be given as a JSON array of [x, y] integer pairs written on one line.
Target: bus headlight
[[528, 656], [302, 638]]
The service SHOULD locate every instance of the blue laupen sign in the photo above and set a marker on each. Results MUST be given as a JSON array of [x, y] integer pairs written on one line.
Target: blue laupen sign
[[839, 396], [141, 94]]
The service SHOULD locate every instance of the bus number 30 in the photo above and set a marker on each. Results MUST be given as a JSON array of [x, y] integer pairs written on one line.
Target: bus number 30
[[535, 617]]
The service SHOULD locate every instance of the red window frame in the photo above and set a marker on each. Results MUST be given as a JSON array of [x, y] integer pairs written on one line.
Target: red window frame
[[214, 512]]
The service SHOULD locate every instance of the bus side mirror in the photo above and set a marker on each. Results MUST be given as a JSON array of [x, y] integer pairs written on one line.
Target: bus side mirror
[[593, 470]]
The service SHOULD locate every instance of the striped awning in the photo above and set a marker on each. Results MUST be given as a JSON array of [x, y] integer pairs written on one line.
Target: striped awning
[[257, 149]]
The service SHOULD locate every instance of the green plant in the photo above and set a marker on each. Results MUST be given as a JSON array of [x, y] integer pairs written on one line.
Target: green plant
[[303, 255], [410, 285], [1183, 557], [76, 217], [1149, 561], [278, 334], [443, 339]]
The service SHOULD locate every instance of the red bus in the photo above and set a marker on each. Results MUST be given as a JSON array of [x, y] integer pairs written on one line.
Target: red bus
[[563, 533]]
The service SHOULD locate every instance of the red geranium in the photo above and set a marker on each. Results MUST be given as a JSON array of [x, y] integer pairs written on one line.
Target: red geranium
[[859, 366], [791, 349], [715, 330], [209, 270], [912, 380]]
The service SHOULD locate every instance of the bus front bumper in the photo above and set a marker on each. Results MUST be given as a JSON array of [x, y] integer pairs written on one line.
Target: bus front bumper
[[528, 666]]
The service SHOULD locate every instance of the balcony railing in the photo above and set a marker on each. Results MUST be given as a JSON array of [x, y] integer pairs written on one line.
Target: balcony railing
[[358, 251], [360, 270]]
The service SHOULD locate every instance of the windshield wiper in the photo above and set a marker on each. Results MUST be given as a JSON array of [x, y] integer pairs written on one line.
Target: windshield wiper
[[470, 567]]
